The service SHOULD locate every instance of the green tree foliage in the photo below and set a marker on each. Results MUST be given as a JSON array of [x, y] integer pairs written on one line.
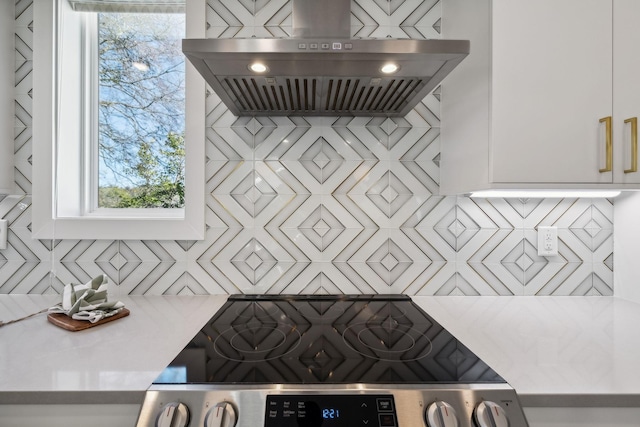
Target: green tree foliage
[[163, 185]]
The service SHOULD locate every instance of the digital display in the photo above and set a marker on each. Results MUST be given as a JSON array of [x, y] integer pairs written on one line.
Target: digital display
[[336, 410], [330, 413]]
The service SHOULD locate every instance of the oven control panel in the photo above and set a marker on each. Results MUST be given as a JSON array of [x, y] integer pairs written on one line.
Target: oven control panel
[[315, 410], [438, 406]]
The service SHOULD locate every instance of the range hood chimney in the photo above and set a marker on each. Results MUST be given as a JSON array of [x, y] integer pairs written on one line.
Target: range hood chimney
[[321, 71]]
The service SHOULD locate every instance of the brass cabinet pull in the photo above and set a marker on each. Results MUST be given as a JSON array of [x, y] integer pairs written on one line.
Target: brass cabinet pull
[[609, 166], [634, 145]]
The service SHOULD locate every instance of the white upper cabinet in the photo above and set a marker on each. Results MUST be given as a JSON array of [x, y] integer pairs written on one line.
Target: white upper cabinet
[[626, 89], [533, 104]]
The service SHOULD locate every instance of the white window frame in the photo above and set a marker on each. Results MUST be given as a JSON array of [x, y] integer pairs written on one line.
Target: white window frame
[[60, 200]]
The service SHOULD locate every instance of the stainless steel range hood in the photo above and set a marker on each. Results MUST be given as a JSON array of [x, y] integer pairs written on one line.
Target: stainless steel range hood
[[321, 71]]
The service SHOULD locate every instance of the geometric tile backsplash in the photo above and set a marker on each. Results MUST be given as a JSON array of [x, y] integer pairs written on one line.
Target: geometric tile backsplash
[[319, 205]]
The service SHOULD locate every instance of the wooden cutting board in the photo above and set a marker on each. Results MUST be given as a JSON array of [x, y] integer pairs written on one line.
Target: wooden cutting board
[[66, 322]]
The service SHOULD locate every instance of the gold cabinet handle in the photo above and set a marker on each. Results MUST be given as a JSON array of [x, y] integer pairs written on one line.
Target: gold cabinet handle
[[609, 147], [634, 145]]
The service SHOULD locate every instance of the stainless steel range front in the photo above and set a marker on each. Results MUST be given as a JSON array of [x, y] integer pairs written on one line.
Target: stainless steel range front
[[330, 361]]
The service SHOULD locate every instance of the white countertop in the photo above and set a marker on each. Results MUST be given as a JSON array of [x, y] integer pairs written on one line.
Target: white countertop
[[578, 350], [552, 350], [119, 359]]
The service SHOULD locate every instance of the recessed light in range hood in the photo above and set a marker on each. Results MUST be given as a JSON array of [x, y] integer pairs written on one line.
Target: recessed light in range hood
[[321, 71]]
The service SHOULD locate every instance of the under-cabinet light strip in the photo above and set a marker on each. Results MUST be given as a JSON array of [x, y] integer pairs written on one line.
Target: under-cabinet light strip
[[540, 194]]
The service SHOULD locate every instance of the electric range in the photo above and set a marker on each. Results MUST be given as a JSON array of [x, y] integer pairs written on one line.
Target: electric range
[[330, 361]]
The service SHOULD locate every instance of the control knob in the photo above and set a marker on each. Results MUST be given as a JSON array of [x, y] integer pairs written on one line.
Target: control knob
[[173, 414], [441, 414], [221, 415], [490, 414]]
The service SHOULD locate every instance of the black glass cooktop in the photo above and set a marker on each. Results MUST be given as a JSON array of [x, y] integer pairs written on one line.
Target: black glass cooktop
[[305, 339]]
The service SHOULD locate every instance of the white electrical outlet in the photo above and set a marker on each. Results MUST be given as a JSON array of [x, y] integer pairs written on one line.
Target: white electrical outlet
[[3, 234], [547, 241]]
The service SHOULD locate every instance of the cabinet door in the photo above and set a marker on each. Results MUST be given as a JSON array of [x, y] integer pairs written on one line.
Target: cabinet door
[[551, 84], [626, 86]]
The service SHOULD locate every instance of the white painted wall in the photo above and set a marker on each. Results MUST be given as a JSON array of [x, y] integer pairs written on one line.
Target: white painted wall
[[7, 13], [626, 246]]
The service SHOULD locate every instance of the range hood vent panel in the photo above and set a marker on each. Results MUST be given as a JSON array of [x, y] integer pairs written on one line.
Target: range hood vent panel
[[323, 76], [318, 96]]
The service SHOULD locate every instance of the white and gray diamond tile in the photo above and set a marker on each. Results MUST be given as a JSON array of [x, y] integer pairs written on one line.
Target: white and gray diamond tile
[[217, 148], [422, 159], [362, 23], [316, 280], [364, 144], [388, 131], [24, 13], [23, 111], [332, 181], [28, 278], [432, 212], [458, 284], [22, 150], [547, 212], [426, 114], [319, 204], [283, 136], [321, 278], [321, 160], [499, 257], [23, 41], [23, 79], [488, 213], [593, 285], [389, 194], [253, 131], [254, 261], [348, 146], [211, 278], [560, 279], [239, 205], [253, 193], [185, 285], [505, 213], [426, 26], [221, 22], [220, 265], [592, 227], [216, 113], [547, 275], [287, 273], [474, 279], [218, 172], [289, 132], [150, 278], [16, 209], [324, 232], [602, 281], [364, 279], [217, 217]]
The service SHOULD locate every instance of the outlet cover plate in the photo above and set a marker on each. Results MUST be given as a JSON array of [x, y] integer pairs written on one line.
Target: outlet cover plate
[[547, 241], [3, 234]]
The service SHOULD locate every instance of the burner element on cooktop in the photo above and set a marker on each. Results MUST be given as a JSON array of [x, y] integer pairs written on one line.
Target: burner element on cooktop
[[257, 344], [384, 344]]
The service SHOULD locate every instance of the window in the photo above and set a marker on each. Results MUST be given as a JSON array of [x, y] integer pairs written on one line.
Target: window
[[140, 131], [113, 159]]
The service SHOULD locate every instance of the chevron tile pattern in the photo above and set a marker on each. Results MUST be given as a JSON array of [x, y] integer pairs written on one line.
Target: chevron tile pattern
[[319, 205]]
